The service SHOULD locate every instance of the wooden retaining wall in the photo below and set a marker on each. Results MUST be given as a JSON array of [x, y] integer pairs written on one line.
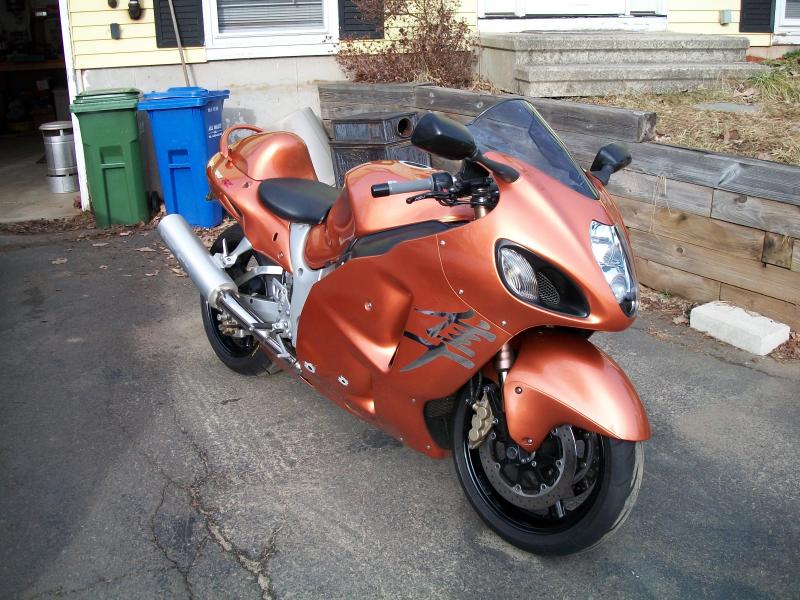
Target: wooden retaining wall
[[704, 226]]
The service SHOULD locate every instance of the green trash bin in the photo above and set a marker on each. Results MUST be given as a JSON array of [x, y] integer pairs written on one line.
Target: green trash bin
[[110, 134]]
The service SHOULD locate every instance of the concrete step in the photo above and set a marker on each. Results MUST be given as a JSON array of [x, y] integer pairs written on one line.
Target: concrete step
[[631, 56], [622, 43], [591, 63], [570, 48], [602, 79]]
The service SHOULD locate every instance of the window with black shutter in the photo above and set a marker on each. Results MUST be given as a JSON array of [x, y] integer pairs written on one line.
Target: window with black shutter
[[353, 27], [189, 14], [757, 16]]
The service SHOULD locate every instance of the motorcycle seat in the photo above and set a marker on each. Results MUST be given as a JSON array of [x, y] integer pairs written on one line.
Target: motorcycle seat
[[297, 200]]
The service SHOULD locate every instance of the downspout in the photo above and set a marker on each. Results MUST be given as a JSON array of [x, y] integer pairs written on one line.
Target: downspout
[[74, 86]]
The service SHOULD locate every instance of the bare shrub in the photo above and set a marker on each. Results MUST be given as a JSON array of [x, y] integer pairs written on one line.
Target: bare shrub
[[425, 40]]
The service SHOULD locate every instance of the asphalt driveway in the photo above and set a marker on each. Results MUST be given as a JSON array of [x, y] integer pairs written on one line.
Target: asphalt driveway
[[134, 465]]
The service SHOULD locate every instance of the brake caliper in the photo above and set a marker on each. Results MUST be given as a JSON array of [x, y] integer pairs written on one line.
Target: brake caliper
[[482, 422]]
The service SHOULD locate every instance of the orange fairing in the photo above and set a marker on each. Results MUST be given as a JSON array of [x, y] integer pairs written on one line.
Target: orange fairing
[[356, 213], [235, 174], [561, 378], [552, 221], [383, 335]]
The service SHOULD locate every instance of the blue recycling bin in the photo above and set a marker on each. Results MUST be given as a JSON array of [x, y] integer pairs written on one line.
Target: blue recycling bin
[[186, 124]]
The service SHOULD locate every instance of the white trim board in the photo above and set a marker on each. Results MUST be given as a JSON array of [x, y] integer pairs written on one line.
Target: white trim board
[[74, 86]]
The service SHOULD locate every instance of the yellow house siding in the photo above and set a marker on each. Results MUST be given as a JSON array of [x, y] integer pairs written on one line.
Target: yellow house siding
[[467, 10], [93, 47], [702, 16]]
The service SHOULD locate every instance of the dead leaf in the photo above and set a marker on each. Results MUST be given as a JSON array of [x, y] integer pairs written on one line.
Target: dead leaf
[[731, 135], [178, 272], [100, 244], [680, 320], [58, 261], [125, 233], [103, 266], [151, 274], [145, 249]]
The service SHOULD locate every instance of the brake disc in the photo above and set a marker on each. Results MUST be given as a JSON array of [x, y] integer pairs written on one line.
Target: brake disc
[[539, 482]]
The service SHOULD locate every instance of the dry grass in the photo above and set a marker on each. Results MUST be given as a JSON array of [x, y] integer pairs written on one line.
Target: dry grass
[[771, 134]]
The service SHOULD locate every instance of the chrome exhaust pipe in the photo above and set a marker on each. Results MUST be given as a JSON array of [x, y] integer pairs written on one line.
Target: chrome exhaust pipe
[[202, 268], [214, 283]]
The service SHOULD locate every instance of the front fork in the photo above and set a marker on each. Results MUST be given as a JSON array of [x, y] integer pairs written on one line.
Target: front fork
[[488, 405]]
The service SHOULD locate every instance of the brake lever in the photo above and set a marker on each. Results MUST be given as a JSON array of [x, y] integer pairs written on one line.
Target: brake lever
[[443, 198]]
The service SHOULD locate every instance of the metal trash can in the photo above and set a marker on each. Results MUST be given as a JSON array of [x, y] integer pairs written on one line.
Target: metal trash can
[[187, 126], [59, 151], [374, 136]]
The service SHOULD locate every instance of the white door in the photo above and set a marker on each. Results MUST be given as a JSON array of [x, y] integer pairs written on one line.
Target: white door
[[573, 8]]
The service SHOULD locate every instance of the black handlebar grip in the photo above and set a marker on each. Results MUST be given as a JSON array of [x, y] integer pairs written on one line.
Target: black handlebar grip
[[379, 190]]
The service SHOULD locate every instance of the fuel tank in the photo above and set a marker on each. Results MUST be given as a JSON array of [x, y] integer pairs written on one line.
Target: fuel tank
[[357, 214]]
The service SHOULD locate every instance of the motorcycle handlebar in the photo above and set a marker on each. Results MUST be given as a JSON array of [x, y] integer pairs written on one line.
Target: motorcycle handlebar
[[379, 190]]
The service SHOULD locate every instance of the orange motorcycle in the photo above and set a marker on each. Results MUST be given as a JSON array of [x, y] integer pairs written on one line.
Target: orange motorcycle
[[451, 311]]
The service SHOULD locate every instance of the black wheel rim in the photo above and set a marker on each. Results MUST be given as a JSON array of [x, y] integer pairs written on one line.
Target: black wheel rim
[[234, 346], [523, 520]]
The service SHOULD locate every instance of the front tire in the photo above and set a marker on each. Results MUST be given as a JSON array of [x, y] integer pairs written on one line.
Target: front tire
[[595, 512], [240, 354]]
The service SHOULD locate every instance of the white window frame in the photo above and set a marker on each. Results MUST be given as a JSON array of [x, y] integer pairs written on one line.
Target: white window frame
[[266, 43], [782, 24], [575, 8]]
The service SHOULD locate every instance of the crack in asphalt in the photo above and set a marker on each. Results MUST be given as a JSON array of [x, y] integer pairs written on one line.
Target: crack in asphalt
[[183, 571], [255, 566]]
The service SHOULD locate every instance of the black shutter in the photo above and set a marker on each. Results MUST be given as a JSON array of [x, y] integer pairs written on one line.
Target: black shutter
[[189, 14], [352, 27], [757, 16]]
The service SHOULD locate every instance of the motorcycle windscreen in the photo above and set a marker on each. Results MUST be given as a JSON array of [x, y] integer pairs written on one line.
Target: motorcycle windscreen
[[515, 128]]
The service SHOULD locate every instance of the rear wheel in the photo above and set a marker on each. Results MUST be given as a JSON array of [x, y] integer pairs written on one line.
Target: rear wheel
[[239, 352], [569, 495]]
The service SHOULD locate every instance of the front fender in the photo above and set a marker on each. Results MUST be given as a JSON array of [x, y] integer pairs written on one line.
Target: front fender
[[560, 378]]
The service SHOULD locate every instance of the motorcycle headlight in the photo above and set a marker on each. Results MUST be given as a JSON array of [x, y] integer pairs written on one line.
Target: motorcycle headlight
[[518, 274], [612, 254], [536, 281]]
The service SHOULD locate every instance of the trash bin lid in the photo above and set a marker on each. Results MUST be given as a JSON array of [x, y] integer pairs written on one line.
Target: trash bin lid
[[181, 97], [105, 99], [55, 126]]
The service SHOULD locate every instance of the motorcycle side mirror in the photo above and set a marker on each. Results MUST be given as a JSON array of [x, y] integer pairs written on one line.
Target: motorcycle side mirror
[[443, 137], [610, 159], [451, 140]]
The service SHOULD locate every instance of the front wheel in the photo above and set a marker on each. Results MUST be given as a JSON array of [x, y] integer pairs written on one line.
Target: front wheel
[[569, 495]]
